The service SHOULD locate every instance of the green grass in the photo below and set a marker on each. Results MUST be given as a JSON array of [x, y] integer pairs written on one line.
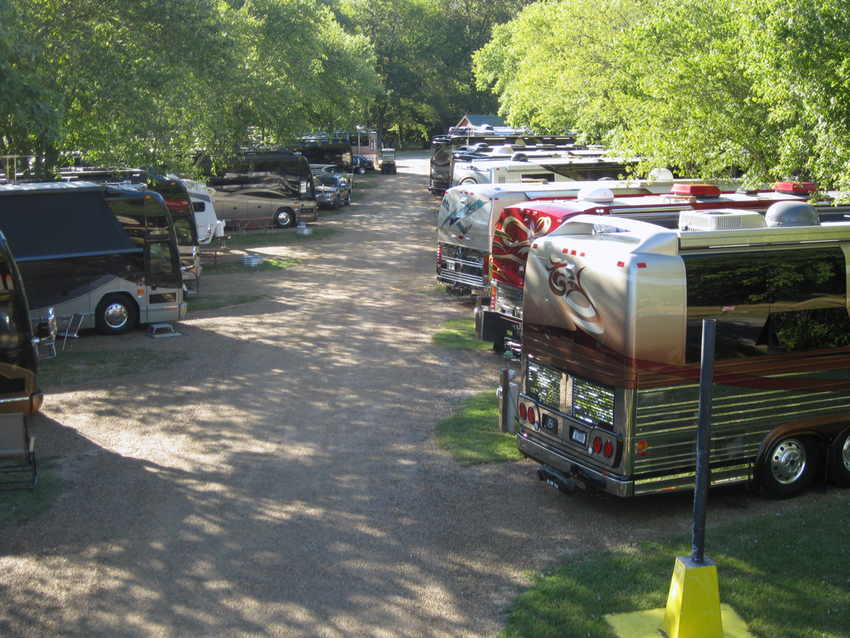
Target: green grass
[[787, 574], [70, 367], [278, 237], [361, 182], [20, 506], [459, 334], [472, 435], [234, 265], [197, 303]]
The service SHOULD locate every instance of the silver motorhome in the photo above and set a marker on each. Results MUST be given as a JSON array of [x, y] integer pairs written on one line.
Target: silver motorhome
[[613, 311]]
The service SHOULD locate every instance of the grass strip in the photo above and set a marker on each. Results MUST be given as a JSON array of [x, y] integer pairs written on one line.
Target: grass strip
[[198, 303], [70, 367], [232, 266], [459, 334], [279, 237], [472, 435], [20, 506], [786, 573]]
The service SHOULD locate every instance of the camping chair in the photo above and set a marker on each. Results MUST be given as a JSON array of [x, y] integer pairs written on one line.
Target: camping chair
[[17, 453]]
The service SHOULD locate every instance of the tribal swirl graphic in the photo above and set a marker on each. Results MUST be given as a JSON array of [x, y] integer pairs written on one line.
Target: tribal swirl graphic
[[565, 281], [512, 241]]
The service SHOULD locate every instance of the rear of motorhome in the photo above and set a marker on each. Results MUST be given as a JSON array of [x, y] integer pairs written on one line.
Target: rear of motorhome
[[613, 317]]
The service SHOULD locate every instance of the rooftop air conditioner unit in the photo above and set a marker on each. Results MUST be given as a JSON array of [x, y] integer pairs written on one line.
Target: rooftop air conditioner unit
[[722, 219]]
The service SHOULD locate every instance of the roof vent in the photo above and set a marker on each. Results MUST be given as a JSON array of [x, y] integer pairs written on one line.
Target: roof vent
[[519, 157], [696, 190], [721, 219], [597, 194], [791, 213], [481, 146]]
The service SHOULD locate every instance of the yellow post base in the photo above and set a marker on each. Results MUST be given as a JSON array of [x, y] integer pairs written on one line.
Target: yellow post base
[[693, 605], [693, 609]]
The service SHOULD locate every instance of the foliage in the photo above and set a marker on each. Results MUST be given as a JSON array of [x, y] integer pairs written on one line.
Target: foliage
[[151, 82], [711, 88]]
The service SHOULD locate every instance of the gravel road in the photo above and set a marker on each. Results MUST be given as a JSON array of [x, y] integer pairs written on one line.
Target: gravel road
[[281, 477]]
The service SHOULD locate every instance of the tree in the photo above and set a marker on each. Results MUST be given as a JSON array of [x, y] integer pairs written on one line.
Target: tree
[[150, 82]]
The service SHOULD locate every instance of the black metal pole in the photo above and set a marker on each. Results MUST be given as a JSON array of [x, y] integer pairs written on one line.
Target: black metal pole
[[706, 383]]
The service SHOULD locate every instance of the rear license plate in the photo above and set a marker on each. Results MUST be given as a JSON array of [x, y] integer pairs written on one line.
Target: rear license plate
[[450, 265], [578, 436]]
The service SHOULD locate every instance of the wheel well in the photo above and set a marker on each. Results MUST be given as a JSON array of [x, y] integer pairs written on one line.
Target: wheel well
[[822, 430]]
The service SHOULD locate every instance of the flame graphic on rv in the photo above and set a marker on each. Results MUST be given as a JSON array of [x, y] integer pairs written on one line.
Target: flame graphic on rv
[[565, 281], [461, 216]]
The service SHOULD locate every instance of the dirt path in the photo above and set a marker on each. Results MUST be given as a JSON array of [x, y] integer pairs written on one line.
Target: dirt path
[[281, 479]]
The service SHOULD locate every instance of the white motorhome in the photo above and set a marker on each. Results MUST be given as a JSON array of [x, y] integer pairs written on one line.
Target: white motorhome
[[467, 218], [541, 167], [611, 346]]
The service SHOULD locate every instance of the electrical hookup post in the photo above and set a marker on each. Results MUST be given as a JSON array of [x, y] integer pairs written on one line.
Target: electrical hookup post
[[693, 603]]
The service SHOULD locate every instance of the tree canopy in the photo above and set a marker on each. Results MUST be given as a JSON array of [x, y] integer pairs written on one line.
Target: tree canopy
[[711, 87], [151, 82]]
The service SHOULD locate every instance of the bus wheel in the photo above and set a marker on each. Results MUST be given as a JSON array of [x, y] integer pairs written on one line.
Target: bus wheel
[[284, 218], [789, 466], [116, 314], [839, 459]]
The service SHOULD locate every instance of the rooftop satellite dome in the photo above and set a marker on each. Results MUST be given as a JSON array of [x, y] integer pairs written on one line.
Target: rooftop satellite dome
[[783, 214], [661, 175], [597, 194], [507, 149]]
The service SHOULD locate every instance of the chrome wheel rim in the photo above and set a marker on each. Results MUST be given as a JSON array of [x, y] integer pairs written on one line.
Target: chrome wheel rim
[[115, 315], [788, 461]]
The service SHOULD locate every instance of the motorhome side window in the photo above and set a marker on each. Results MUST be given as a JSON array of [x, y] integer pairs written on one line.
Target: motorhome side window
[[768, 302]]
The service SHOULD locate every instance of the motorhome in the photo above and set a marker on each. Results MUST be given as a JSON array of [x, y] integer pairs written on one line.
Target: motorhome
[[466, 222], [557, 167], [275, 185], [613, 316], [19, 345], [445, 148], [521, 224], [101, 257]]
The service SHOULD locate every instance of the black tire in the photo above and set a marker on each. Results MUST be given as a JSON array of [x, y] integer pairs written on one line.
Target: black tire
[[285, 218], [115, 315], [839, 460], [789, 466], [347, 201], [337, 203]]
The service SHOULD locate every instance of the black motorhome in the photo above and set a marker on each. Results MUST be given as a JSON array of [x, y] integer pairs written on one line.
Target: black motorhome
[[102, 257]]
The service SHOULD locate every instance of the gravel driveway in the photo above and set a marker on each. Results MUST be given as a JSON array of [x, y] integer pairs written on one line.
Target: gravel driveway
[[281, 478]]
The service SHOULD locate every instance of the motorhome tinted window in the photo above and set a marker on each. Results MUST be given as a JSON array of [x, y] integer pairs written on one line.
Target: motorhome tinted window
[[768, 302]]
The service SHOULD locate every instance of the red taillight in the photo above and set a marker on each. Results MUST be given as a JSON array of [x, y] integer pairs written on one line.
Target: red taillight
[[493, 297], [642, 448], [439, 255], [597, 445], [523, 411], [608, 449], [531, 416]]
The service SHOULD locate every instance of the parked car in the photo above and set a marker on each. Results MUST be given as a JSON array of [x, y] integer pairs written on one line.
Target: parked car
[[362, 164], [332, 190]]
